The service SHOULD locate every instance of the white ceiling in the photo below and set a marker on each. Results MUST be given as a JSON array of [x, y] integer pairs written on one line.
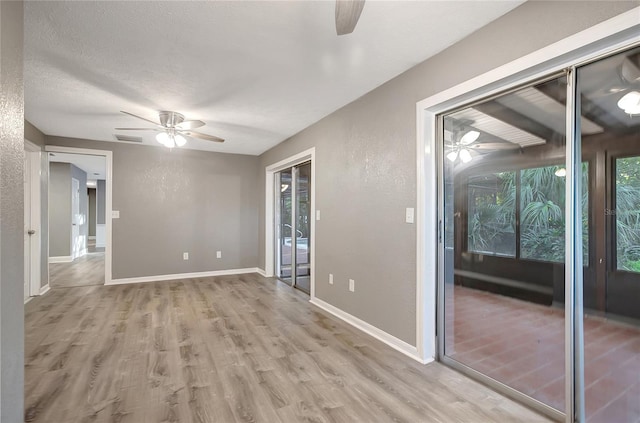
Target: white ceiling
[[94, 166], [255, 72]]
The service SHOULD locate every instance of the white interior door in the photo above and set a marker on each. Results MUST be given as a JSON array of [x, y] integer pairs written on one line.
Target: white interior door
[[75, 218], [27, 226]]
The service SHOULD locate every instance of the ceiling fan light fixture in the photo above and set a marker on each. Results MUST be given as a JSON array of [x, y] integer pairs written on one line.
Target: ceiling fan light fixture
[[180, 140], [162, 138], [452, 156], [561, 173], [465, 155], [630, 103], [469, 137]]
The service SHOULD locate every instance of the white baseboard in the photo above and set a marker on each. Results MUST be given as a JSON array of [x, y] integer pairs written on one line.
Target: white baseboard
[[261, 272], [380, 335], [158, 278], [28, 299], [44, 289], [61, 259]]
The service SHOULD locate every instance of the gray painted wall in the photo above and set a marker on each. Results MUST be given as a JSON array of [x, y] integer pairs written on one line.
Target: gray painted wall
[[178, 201], [33, 134], [91, 192], [101, 190], [60, 209], [83, 230], [11, 213], [366, 164]]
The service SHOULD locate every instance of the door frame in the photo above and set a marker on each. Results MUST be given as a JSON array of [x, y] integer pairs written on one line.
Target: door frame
[[108, 155], [602, 39], [270, 211], [75, 233], [33, 153]]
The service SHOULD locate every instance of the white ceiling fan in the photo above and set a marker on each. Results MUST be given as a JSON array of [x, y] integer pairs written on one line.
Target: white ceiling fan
[[347, 15], [468, 142], [173, 128]]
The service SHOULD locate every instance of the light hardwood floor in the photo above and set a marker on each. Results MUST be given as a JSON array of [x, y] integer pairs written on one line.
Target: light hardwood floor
[[83, 271], [228, 349]]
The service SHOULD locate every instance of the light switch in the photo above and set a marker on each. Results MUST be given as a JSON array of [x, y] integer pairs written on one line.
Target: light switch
[[317, 214], [115, 214], [409, 215]]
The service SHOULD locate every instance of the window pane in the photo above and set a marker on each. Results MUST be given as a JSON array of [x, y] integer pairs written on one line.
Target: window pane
[[627, 213], [542, 203], [491, 218]]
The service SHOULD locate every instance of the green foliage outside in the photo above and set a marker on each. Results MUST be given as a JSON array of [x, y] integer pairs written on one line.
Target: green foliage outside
[[492, 214], [627, 213]]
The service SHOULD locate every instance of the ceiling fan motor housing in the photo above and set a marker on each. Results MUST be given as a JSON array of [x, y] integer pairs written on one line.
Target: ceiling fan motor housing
[[170, 119]]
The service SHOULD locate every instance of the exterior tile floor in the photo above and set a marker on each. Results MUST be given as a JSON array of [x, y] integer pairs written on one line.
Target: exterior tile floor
[[521, 344]]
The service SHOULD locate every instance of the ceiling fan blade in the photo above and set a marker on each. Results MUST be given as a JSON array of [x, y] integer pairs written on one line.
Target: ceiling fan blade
[[201, 136], [493, 146], [347, 15], [136, 129], [190, 124], [140, 117]]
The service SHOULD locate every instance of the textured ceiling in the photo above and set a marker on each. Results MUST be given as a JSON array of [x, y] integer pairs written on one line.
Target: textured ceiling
[[255, 72]]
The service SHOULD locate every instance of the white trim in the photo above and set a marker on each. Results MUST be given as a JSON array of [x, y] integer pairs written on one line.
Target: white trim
[[261, 272], [608, 35], [34, 154], [26, 300], [44, 289], [91, 237], [269, 209], [158, 278], [108, 197], [61, 259], [382, 336]]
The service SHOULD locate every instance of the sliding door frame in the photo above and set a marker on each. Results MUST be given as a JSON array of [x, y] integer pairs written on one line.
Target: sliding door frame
[[271, 212], [618, 33]]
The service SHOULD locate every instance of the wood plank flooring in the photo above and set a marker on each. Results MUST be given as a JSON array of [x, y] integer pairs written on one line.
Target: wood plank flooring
[[228, 349], [83, 271]]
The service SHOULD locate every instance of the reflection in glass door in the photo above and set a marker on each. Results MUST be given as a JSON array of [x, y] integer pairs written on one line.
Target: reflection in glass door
[[610, 96], [504, 214], [539, 292], [294, 225]]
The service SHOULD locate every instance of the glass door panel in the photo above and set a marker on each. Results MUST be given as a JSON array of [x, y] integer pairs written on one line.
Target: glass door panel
[[284, 192], [293, 191], [504, 235], [303, 226], [610, 131]]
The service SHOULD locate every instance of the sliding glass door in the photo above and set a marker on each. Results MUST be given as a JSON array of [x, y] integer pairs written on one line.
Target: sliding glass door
[[609, 93], [505, 210], [539, 291], [294, 225]]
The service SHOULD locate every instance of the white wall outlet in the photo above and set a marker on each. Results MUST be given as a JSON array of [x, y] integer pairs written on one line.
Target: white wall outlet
[[317, 214], [115, 214], [185, 256], [218, 254], [352, 285], [331, 278], [409, 215]]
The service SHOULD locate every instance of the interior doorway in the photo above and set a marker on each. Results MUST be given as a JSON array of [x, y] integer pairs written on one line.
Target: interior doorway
[[294, 225], [77, 225]]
